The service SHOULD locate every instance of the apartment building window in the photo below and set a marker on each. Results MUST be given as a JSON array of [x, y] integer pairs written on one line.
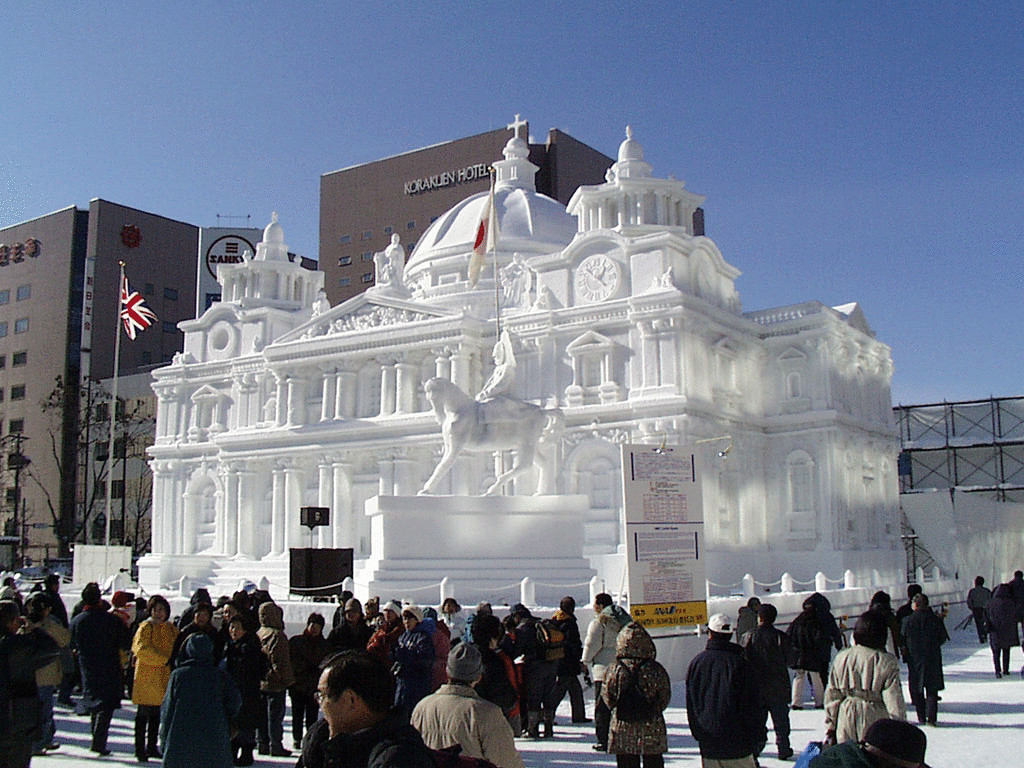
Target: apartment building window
[[389, 230], [367, 277], [3, 361], [5, 295], [368, 234], [14, 426], [344, 282], [18, 392], [19, 358], [24, 292], [149, 289], [170, 326], [117, 489], [21, 325], [410, 224], [344, 261], [147, 357], [171, 294], [346, 239]]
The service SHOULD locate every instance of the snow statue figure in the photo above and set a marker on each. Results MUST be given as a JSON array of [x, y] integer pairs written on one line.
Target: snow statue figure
[[390, 262], [516, 282], [504, 373], [496, 424]]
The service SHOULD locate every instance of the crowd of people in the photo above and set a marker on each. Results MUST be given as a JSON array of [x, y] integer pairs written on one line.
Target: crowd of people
[[400, 684]]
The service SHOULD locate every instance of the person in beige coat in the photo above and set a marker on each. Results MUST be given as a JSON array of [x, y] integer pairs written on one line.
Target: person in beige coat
[[456, 715], [864, 684], [599, 654], [274, 687], [38, 608]]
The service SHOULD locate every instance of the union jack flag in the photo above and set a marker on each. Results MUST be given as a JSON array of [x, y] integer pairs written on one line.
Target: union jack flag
[[135, 315]]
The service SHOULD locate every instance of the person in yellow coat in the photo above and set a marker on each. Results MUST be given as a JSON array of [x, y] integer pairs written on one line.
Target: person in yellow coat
[[152, 648]]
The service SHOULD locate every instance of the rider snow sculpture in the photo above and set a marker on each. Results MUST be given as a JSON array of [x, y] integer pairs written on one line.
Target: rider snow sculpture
[[494, 421]]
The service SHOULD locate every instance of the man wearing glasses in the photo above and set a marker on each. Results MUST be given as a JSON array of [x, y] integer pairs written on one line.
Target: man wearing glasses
[[359, 727]]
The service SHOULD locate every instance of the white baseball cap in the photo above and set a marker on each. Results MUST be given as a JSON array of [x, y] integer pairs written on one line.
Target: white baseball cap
[[719, 622]]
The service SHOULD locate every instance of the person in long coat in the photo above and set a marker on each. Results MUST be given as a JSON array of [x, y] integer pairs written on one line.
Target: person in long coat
[[307, 650], [39, 615], [152, 647], [413, 659], [99, 637], [864, 683], [636, 690], [199, 703], [1001, 622], [247, 665], [279, 677], [922, 634]]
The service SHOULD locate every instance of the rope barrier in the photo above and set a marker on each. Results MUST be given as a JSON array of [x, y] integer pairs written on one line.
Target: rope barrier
[[725, 586]]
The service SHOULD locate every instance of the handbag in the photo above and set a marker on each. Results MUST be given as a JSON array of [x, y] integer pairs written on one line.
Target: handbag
[[811, 751]]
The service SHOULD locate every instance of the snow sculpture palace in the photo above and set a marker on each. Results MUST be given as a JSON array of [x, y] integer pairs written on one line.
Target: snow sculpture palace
[[617, 316]]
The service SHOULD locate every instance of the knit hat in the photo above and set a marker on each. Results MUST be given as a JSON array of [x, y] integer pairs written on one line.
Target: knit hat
[[121, 599], [896, 742], [415, 610], [392, 606], [464, 663], [720, 623]]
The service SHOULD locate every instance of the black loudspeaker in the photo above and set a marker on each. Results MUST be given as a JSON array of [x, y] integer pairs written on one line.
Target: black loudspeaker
[[318, 572], [311, 517]]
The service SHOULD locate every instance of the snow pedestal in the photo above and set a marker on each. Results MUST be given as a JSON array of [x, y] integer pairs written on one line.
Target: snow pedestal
[[485, 546]]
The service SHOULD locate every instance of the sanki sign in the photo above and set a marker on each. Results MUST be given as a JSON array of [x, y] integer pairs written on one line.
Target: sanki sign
[[226, 250], [447, 179]]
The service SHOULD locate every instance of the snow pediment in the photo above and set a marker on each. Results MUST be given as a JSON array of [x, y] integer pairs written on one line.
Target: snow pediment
[[207, 394], [854, 317], [591, 341], [364, 312], [217, 312], [793, 356]]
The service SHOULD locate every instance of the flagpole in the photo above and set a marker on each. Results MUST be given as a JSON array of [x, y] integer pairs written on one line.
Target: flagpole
[[113, 416], [497, 281]]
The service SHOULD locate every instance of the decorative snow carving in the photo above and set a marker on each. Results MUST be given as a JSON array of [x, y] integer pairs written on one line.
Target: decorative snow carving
[[375, 317]]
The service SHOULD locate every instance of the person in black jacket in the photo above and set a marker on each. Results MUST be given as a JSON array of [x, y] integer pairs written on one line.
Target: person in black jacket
[[812, 635], [1001, 624], [20, 656], [202, 621], [569, 666], [923, 634], [352, 633], [903, 612], [99, 636], [246, 664], [539, 673], [767, 649], [359, 729], [497, 682], [723, 700]]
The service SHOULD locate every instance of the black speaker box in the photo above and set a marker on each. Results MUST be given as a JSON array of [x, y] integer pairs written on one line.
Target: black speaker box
[[318, 572]]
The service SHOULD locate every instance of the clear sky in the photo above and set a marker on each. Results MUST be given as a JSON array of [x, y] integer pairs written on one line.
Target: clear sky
[[863, 151]]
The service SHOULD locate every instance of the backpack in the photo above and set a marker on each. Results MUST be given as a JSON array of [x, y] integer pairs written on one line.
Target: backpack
[[452, 757], [550, 641], [633, 706]]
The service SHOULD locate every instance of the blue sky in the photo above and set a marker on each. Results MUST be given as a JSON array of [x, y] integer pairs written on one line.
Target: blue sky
[[862, 151]]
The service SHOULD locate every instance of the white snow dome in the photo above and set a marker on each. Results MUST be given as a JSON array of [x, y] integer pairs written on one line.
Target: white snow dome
[[529, 224]]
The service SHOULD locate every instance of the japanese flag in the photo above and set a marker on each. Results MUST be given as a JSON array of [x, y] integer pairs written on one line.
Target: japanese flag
[[486, 238]]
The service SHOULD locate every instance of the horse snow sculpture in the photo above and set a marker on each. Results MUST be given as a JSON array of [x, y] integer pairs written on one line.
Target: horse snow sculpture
[[500, 423]]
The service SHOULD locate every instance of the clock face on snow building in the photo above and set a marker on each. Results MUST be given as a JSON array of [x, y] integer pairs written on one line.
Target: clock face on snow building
[[597, 278]]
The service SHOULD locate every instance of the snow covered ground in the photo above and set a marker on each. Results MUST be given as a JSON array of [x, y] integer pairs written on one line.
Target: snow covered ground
[[981, 723]]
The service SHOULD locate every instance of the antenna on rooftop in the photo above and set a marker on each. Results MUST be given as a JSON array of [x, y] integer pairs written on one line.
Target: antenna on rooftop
[[232, 220]]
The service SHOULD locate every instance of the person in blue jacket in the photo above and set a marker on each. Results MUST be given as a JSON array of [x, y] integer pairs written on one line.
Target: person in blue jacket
[[413, 659], [200, 701]]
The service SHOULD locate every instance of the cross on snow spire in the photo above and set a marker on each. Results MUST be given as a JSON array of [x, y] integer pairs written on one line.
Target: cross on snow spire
[[516, 124]]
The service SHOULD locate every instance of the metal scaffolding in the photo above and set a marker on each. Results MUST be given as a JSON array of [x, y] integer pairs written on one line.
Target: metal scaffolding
[[975, 445]]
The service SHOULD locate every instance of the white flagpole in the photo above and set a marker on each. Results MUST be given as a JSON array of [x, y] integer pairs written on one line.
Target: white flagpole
[[492, 237], [113, 416]]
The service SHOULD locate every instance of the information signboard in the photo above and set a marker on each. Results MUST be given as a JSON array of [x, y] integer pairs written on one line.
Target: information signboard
[[664, 536]]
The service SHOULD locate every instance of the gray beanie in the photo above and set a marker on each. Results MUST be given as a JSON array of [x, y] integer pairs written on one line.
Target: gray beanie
[[464, 663]]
